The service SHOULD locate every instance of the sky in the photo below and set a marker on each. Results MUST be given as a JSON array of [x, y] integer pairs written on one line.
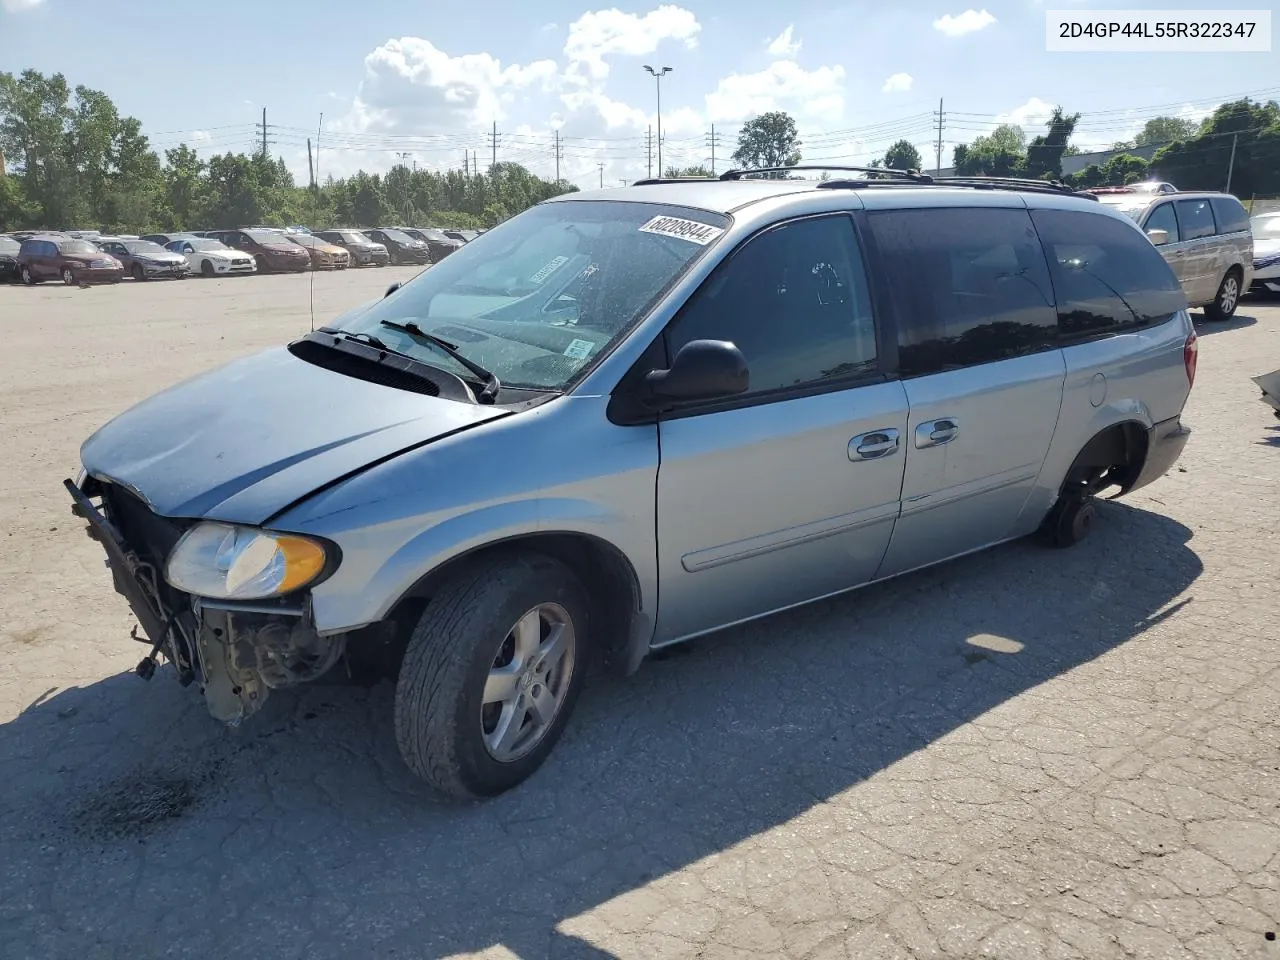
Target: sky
[[405, 81]]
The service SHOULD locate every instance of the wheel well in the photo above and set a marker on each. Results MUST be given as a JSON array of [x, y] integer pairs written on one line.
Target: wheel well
[[1113, 457], [610, 580]]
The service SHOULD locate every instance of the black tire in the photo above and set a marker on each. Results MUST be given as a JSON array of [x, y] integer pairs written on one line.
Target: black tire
[[442, 677], [1070, 520], [261, 261], [138, 272], [1227, 298], [206, 269], [68, 276], [28, 277]]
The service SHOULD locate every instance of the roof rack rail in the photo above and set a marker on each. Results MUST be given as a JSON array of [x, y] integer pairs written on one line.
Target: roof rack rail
[[881, 173], [1015, 183], [649, 181]]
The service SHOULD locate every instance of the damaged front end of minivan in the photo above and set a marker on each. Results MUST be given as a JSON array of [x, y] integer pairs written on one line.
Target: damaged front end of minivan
[[245, 628]]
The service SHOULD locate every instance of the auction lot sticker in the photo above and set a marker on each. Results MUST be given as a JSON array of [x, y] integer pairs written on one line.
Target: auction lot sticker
[[681, 229], [1158, 31]]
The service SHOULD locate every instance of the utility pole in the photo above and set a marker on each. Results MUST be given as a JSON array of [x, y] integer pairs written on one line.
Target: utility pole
[[466, 162], [1231, 165], [937, 170], [493, 143], [557, 150], [311, 170], [648, 146], [262, 129], [601, 166], [713, 141]]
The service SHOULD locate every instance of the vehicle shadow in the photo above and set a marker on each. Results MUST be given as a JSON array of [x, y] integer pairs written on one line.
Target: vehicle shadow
[[134, 825], [1272, 439], [1205, 326]]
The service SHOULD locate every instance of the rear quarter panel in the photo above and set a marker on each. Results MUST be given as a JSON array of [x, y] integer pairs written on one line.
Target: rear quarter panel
[[1137, 377]]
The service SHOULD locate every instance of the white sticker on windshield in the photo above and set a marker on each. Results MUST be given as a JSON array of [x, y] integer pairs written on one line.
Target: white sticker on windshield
[[549, 269], [579, 349], [691, 230]]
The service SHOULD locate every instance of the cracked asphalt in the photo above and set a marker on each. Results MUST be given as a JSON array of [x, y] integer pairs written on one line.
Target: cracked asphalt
[[1022, 754]]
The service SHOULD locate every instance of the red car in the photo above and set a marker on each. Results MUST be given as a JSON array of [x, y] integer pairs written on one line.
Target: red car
[[72, 261], [271, 249]]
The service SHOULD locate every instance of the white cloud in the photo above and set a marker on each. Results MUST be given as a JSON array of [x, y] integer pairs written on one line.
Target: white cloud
[[816, 95], [600, 33], [898, 83], [549, 27], [199, 136], [783, 45], [410, 84], [1034, 113], [968, 22], [17, 6]]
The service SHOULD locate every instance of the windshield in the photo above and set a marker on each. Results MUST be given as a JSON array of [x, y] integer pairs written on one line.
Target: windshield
[[81, 247], [1266, 228], [536, 299], [399, 237], [1131, 208], [9, 246], [204, 244], [350, 236], [267, 236], [143, 248]]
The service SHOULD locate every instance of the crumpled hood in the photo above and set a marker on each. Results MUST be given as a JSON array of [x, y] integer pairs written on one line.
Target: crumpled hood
[[244, 441]]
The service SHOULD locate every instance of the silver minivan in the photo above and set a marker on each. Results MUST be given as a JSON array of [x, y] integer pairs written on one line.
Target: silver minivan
[[1205, 237], [626, 418]]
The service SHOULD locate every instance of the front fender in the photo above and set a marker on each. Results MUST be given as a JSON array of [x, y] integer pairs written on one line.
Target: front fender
[[367, 588]]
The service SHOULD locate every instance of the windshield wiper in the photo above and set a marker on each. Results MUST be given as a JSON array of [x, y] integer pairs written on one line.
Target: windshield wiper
[[491, 383]]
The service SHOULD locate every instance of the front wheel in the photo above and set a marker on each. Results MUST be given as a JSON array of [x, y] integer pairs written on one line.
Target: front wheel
[[491, 675], [206, 269], [68, 276], [1228, 298], [138, 273]]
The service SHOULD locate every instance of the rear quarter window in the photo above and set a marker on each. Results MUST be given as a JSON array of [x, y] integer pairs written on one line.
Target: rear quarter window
[[1230, 213], [1108, 277], [969, 286]]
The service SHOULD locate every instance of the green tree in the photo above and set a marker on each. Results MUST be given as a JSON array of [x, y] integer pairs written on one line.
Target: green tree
[[35, 120], [1241, 138], [769, 140], [698, 171], [903, 156], [1044, 153], [1165, 130]]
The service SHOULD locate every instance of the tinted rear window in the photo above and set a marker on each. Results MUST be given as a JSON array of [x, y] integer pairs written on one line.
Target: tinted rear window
[[1230, 213], [1108, 277], [969, 286]]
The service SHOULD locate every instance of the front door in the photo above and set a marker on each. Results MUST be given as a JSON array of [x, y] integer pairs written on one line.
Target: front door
[[1173, 250], [789, 492], [977, 331]]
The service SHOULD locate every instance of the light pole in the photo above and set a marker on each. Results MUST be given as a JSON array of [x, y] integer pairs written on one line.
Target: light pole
[[657, 76]]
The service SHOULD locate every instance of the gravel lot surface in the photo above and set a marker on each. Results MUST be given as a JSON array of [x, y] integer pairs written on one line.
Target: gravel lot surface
[[1023, 754]]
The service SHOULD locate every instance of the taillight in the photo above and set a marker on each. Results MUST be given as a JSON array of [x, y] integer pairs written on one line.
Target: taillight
[[1190, 353]]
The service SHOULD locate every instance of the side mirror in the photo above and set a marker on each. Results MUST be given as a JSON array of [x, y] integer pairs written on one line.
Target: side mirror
[[1158, 237], [391, 289], [702, 370]]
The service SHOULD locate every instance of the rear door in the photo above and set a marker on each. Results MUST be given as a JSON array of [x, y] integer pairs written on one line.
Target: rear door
[[1198, 230], [789, 492], [977, 351]]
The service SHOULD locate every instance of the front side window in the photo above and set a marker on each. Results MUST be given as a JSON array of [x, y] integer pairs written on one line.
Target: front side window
[[969, 286], [1108, 277], [1162, 218], [1195, 219], [490, 298], [794, 300]]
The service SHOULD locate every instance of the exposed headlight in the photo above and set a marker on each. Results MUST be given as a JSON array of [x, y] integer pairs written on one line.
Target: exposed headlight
[[225, 562]]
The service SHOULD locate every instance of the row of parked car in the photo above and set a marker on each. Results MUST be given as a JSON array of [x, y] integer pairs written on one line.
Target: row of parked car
[[81, 256]]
